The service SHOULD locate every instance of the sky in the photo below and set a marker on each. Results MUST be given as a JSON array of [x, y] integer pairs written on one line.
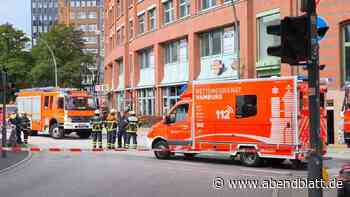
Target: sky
[[16, 12]]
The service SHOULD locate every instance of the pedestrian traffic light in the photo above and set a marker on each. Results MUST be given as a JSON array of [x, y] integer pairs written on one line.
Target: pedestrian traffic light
[[294, 40]]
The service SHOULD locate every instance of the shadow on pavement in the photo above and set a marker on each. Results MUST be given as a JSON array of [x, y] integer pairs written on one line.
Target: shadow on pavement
[[286, 165], [11, 159]]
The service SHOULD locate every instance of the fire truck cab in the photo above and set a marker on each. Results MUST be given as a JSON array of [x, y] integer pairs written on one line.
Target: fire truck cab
[[255, 119], [57, 111]]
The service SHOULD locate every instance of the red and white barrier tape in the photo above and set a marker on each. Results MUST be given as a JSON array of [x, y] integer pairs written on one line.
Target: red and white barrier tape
[[58, 149]]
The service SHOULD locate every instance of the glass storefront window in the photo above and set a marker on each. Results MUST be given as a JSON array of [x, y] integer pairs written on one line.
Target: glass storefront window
[[146, 101]]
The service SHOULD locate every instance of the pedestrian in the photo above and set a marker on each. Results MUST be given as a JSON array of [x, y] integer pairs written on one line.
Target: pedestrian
[[122, 126], [25, 126], [132, 130], [111, 124], [97, 125], [15, 136]]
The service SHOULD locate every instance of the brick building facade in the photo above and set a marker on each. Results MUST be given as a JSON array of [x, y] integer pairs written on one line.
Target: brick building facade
[[153, 48]]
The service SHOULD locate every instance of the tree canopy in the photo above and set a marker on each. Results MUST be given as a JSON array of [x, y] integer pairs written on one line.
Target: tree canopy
[[66, 44], [15, 58]]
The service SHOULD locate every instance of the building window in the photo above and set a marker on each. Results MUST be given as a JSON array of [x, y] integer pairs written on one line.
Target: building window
[[211, 43], [267, 66], [206, 4], [118, 37], [131, 2], [346, 51], [146, 101], [131, 29], [145, 58], [141, 20], [92, 15], [184, 8], [171, 95], [171, 51], [121, 67], [168, 12], [122, 34], [152, 21]]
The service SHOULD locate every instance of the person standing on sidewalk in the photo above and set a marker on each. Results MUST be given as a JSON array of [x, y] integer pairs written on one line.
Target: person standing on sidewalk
[[25, 126], [97, 126], [15, 136], [132, 129], [111, 124], [122, 126]]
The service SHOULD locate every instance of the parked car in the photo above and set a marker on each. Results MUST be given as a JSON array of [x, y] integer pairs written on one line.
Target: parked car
[[344, 176]]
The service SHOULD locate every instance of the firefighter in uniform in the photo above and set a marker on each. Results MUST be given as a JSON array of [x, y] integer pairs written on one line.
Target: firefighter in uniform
[[132, 129], [25, 126], [111, 126], [97, 126]]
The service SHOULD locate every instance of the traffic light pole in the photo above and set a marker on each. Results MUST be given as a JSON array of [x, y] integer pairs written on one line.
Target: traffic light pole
[[315, 163]]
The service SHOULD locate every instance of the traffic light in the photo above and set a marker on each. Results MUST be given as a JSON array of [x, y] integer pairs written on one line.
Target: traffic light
[[294, 41]]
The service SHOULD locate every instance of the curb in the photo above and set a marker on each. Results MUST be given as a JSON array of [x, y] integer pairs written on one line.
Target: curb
[[27, 158]]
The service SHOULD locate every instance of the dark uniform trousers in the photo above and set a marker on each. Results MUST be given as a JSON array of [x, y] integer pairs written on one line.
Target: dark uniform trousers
[[111, 134], [25, 127], [97, 126]]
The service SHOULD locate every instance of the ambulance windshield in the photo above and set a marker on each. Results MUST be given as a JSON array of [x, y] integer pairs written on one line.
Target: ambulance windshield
[[80, 103]]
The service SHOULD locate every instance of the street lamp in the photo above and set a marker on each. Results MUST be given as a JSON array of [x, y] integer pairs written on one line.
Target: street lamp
[[54, 60]]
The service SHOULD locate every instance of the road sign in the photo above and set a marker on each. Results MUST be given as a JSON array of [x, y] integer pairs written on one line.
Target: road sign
[[322, 28]]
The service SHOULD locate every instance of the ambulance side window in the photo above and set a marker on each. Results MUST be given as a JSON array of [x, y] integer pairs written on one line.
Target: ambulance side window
[[246, 106], [179, 113]]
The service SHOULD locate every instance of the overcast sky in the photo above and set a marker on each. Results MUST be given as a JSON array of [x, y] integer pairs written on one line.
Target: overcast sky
[[16, 12]]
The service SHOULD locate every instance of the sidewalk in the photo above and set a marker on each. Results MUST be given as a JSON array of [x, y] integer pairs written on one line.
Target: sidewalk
[[338, 151], [12, 158]]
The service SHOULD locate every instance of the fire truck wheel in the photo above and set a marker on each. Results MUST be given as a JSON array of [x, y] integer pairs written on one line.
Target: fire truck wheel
[[162, 145], [84, 135], [250, 159], [190, 155], [56, 131]]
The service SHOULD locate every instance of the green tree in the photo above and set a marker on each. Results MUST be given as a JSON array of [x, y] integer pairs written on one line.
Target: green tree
[[15, 57], [66, 44]]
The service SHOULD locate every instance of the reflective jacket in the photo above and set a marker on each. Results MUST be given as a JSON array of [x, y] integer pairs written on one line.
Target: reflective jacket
[[97, 124], [133, 124], [111, 123]]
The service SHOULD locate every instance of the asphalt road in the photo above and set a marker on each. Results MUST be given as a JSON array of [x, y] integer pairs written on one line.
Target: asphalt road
[[138, 174]]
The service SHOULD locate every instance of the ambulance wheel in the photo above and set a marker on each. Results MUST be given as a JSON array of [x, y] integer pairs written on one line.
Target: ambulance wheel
[[56, 132], [162, 145], [190, 155], [84, 135], [250, 159]]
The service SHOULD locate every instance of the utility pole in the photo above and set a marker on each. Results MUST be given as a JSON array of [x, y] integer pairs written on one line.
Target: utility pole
[[4, 92], [315, 163], [4, 99]]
